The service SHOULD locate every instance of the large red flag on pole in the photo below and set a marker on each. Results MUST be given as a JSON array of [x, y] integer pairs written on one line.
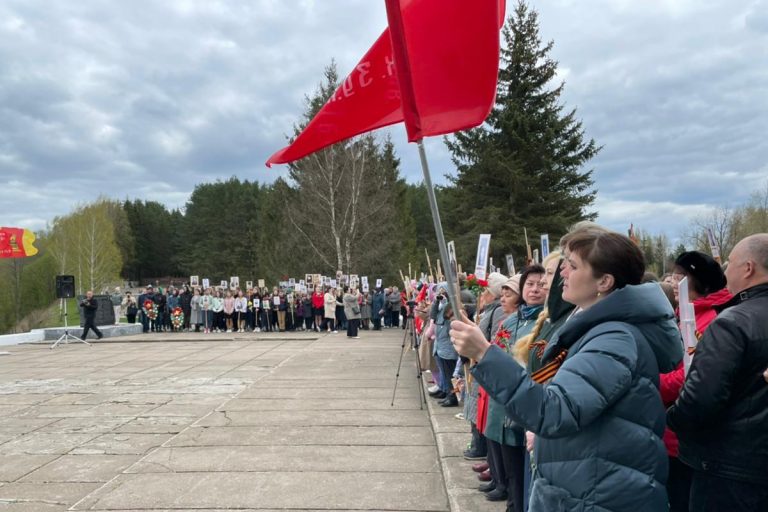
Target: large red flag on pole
[[435, 68]]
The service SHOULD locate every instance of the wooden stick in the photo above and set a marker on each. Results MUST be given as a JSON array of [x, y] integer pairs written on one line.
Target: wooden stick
[[429, 264], [528, 247], [405, 283]]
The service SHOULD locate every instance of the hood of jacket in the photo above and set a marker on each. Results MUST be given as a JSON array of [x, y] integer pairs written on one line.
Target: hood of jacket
[[556, 306], [712, 301], [646, 307]]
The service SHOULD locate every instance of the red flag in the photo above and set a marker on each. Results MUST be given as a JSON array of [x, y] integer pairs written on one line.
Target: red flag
[[444, 67], [447, 58], [16, 243]]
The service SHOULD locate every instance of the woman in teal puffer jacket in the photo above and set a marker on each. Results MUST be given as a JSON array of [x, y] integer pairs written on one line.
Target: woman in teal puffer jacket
[[599, 419]]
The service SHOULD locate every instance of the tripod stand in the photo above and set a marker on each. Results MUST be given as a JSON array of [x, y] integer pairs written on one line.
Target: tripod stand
[[410, 329], [66, 336]]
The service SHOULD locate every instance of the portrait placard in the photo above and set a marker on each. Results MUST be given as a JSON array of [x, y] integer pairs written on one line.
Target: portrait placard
[[206, 283], [194, 280]]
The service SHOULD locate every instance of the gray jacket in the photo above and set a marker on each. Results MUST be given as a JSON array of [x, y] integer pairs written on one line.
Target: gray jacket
[[351, 306], [600, 420], [443, 344]]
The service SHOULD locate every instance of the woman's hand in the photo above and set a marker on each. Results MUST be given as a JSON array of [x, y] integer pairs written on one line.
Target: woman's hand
[[468, 339], [530, 438]]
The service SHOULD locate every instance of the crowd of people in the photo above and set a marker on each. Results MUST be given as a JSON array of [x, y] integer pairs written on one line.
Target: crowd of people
[[215, 310], [574, 383], [579, 390]]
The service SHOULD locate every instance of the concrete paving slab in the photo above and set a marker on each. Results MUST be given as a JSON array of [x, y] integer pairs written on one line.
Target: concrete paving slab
[[300, 459], [475, 501], [155, 425], [31, 507], [79, 399], [193, 410], [84, 425], [459, 476], [27, 399], [450, 424], [23, 424], [280, 381], [452, 444], [375, 457], [16, 466], [33, 494], [327, 392], [38, 443], [339, 491], [81, 468], [328, 418], [304, 436], [319, 404], [121, 444], [4, 437]]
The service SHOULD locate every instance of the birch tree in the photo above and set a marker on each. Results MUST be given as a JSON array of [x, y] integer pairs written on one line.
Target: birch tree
[[83, 244], [346, 192]]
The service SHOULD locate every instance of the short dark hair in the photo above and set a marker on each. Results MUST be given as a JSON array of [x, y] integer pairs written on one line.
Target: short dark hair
[[527, 272], [609, 253]]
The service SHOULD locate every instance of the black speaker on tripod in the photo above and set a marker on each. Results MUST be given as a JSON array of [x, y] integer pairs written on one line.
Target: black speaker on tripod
[[65, 287]]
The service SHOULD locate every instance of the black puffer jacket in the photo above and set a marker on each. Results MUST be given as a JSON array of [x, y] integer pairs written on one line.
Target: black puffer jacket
[[721, 416]]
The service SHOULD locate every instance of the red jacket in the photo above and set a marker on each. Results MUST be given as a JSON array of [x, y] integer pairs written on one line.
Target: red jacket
[[318, 300], [671, 383]]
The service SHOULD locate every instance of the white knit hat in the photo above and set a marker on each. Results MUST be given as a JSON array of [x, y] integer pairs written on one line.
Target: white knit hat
[[495, 281]]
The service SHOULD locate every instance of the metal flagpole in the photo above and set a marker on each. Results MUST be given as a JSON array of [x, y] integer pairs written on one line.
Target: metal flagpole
[[453, 288]]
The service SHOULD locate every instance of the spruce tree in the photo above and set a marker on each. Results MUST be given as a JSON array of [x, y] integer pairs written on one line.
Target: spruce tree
[[524, 168]]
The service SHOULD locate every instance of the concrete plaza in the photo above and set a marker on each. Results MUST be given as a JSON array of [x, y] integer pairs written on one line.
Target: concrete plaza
[[233, 421]]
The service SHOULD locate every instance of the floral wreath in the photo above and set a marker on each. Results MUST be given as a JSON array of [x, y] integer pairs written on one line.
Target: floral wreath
[[150, 309], [177, 317], [475, 285]]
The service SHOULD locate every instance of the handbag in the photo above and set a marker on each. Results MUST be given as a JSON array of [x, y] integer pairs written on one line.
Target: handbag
[[355, 310]]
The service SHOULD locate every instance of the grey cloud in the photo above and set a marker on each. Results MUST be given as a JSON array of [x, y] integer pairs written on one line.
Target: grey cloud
[[146, 99]]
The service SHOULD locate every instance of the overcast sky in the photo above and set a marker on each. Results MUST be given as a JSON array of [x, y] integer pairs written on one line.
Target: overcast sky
[[145, 99]]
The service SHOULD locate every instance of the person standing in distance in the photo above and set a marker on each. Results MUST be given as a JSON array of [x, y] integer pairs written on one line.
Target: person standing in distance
[[90, 306], [721, 416]]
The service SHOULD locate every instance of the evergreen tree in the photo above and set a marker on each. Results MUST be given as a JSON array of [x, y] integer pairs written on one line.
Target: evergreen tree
[[221, 230], [155, 239], [524, 167]]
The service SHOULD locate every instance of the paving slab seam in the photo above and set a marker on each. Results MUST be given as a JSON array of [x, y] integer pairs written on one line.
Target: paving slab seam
[[195, 423], [453, 503]]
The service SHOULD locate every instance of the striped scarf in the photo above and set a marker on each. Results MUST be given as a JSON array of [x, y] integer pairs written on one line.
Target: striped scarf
[[545, 373]]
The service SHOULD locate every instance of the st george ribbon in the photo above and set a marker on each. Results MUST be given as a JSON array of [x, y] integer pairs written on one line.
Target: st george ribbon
[[435, 68]]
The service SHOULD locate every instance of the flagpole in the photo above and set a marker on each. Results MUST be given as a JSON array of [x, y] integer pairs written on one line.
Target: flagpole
[[453, 288]]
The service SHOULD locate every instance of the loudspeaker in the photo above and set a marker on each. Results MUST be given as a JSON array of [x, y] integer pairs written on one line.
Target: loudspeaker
[[65, 287]]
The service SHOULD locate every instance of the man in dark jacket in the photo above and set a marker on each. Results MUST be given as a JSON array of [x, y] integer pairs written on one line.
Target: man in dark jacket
[[161, 301], [377, 308], [90, 306], [721, 416]]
